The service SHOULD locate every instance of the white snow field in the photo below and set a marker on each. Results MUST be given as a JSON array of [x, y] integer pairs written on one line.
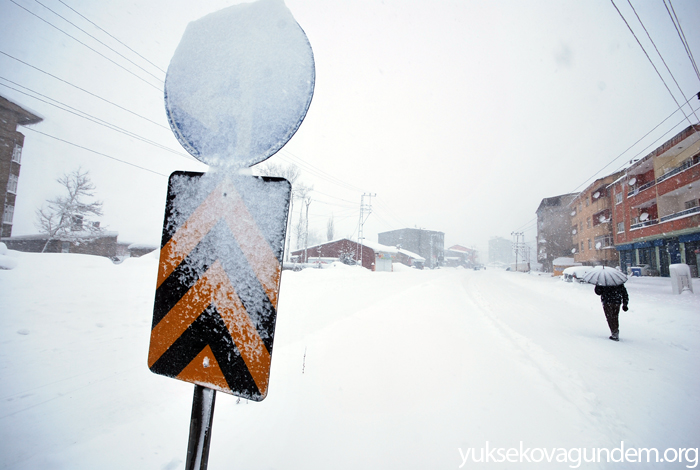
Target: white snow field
[[404, 370]]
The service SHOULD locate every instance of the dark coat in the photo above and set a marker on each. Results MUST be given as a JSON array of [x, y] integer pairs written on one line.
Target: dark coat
[[612, 294]]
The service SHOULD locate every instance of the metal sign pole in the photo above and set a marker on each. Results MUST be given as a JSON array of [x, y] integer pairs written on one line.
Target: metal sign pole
[[200, 428]]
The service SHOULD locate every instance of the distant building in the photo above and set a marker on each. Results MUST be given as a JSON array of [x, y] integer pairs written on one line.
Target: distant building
[[428, 244], [11, 144], [458, 255], [656, 211], [104, 244], [372, 256], [500, 251], [591, 224], [554, 229]]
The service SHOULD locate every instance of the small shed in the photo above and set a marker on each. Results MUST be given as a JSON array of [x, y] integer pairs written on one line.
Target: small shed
[[560, 264]]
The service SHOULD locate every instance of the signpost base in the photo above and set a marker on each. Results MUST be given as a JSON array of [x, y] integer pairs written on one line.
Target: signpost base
[[200, 428]]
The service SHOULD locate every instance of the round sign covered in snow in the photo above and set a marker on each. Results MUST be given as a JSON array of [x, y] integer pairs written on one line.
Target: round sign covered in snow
[[240, 83]]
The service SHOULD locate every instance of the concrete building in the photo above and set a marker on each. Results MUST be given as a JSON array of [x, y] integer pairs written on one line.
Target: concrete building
[[428, 244], [591, 224], [554, 229], [11, 144], [656, 211], [500, 251]]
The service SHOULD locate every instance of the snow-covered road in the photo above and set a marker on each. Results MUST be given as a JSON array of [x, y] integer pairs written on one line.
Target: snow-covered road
[[369, 370]]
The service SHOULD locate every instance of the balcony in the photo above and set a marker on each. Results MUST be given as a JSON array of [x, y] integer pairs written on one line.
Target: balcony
[[646, 223], [636, 190], [680, 214], [682, 167]]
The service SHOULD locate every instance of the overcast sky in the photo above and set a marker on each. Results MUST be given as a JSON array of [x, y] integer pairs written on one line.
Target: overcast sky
[[460, 115]]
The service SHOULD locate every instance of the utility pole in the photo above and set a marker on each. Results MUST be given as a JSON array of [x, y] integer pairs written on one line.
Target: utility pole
[[517, 236], [307, 201], [360, 228]]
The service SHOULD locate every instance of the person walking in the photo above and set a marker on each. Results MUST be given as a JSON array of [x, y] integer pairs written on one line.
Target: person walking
[[612, 297]]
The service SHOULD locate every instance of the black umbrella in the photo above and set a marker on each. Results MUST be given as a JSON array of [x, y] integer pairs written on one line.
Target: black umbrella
[[603, 276]]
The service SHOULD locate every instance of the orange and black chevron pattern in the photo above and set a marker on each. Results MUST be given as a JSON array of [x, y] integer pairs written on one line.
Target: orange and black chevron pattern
[[217, 291]]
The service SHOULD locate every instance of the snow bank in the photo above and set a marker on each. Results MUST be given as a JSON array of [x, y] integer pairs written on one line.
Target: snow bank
[[6, 261], [370, 370]]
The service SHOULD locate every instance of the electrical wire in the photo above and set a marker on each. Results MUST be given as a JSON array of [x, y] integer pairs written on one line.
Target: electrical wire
[[93, 50], [95, 152], [105, 45], [679, 29], [649, 58], [84, 90], [658, 52], [108, 34], [94, 119]]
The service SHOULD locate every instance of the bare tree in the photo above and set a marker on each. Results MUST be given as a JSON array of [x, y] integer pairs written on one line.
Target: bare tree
[[330, 228], [301, 192], [291, 173], [68, 217]]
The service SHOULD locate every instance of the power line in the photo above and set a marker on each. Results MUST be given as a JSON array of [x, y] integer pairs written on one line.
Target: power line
[[108, 34], [317, 171], [83, 90], [105, 45], [527, 225], [649, 58], [96, 120], [95, 152], [679, 29], [658, 52], [79, 41], [639, 140]]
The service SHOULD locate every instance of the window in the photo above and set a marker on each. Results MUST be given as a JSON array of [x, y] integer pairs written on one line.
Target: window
[[8, 214], [692, 203], [588, 222], [580, 226], [603, 241], [12, 184], [582, 247], [618, 198], [620, 227], [17, 154], [587, 202], [589, 244]]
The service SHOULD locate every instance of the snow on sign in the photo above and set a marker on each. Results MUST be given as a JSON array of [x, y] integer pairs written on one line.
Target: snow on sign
[[218, 281], [240, 83]]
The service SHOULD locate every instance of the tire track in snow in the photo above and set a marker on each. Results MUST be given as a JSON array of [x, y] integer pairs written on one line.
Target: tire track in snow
[[566, 381]]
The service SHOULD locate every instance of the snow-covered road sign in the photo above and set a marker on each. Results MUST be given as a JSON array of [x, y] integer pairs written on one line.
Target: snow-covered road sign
[[240, 83], [218, 281]]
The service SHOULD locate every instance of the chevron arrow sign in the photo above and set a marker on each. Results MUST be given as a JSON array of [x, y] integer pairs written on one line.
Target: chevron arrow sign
[[218, 281]]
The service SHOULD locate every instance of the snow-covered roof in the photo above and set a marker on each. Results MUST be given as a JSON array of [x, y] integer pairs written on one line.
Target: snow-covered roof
[[142, 246], [411, 254], [43, 236], [379, 248], [563, 261]]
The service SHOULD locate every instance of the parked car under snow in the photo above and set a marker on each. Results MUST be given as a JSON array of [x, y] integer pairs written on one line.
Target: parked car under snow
[[575, 273]]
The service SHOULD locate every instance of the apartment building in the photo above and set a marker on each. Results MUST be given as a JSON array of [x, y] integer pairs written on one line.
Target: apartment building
[[591, 224], [553, 229], [656, 210], [11, 143]]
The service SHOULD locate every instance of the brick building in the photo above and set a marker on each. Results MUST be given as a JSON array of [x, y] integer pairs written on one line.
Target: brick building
[[656, 213], [11, 143], [591, 224]]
